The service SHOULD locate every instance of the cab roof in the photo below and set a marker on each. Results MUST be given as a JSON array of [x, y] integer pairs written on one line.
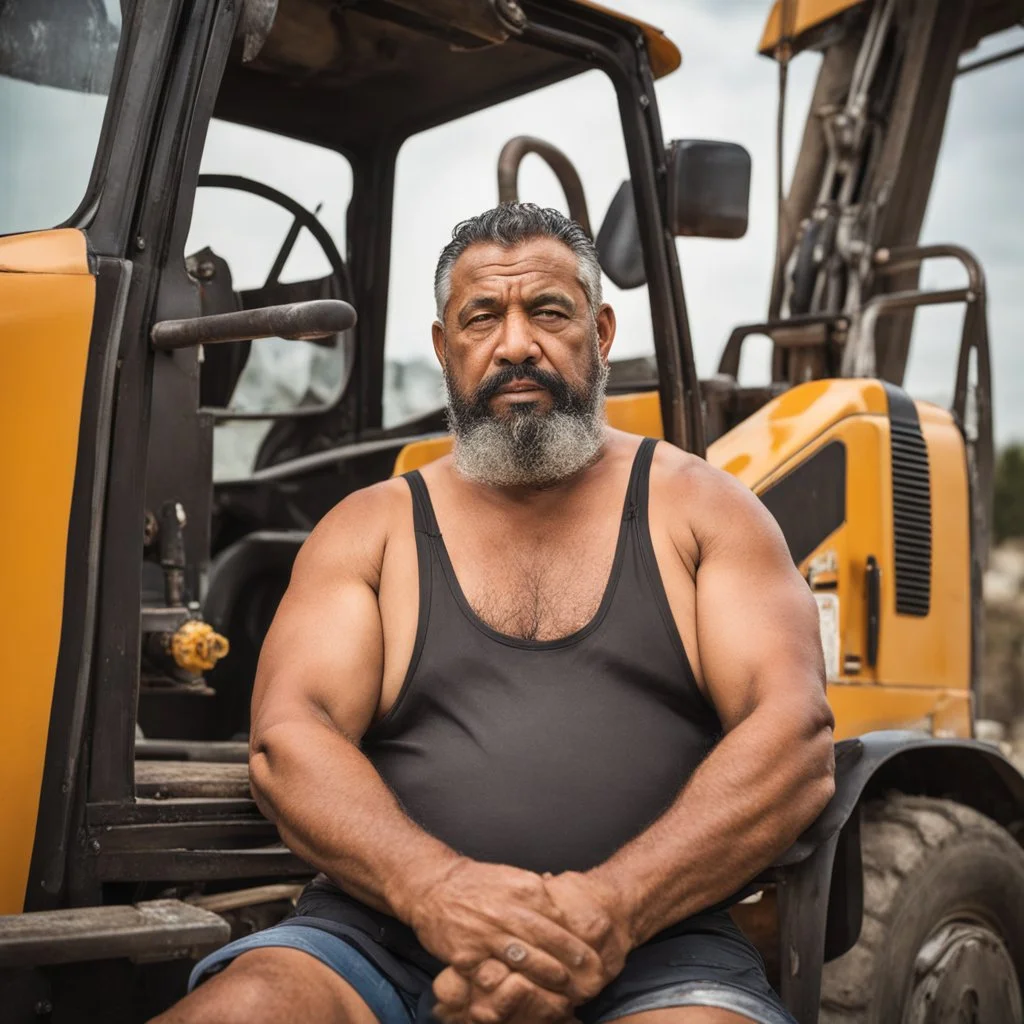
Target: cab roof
[[345, 73]]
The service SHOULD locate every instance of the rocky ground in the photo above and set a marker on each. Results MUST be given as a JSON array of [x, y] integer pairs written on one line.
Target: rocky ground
[[1002, 693]]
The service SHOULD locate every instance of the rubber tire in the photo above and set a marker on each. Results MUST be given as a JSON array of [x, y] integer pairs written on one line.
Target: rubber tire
[[924, 859]]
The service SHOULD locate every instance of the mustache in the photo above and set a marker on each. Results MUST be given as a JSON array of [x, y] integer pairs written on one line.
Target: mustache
[[553, 382]]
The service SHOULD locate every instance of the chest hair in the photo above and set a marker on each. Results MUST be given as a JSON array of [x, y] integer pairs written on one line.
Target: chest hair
[[544, 597]]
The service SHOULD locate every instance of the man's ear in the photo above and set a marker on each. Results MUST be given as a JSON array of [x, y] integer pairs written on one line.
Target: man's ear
[[605, 329], [437, 334]]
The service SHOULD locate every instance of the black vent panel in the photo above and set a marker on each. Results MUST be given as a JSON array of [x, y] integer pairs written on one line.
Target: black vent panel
[[809, 503], [912, 507]]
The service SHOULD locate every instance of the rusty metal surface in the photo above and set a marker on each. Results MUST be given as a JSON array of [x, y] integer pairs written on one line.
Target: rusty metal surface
[[296, 321], [164, 779], [156, 930], [512, 154]]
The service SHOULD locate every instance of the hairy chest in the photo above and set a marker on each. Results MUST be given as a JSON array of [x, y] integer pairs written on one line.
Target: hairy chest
[[537, 587]]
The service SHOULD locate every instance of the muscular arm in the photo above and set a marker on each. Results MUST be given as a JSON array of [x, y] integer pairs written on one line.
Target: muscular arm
[[317, 688], [772, 773]]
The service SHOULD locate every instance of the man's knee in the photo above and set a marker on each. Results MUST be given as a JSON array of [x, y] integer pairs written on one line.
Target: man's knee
[[265, 986], [686, 1015]]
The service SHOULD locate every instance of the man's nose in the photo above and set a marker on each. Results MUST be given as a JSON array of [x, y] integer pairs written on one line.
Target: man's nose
[[517, 343]]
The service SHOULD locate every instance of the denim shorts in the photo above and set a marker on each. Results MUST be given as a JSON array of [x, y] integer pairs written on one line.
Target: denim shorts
[[703, 961]]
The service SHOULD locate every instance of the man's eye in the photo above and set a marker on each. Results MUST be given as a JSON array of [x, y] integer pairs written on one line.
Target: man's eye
[[480, 318], [550, 314]]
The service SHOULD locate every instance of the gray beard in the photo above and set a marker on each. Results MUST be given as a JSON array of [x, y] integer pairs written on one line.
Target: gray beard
[[525, 448]]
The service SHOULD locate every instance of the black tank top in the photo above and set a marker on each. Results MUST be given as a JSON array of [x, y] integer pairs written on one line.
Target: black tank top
[[545, 754]]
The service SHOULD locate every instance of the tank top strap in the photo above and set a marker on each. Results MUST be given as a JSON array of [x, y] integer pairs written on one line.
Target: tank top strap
[[423, 519], [639, 481]]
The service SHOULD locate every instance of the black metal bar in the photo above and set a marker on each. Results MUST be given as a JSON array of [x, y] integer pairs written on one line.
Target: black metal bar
[[296, 321], [511, 156], [679, 389], [110, 200], [897, 258], [192, 750], [803, 894], [323, 460], [179, 835], [872, 580], [862, 339], [118, 645], [985, 62], [283, 253], [729, 364], [199, 865], [176, 809]]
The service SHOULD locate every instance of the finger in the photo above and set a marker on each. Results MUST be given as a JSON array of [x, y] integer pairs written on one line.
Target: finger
[[516, 998], [490, 974], [452, 989], [544, 935], [538, 966], [447, 1015]]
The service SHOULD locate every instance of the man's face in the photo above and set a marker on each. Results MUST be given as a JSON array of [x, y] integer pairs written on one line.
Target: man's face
[[525, 363], [518, 326]]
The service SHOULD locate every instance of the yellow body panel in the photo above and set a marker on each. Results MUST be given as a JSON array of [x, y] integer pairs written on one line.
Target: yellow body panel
[[923, 662], [638, 413], [760, 448], [47, 296], [933, 651], [60, 251], [860, 709], [803, 16]]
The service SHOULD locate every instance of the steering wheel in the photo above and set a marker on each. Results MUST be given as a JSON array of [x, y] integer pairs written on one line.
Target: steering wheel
[[224, 363], [272, 292]]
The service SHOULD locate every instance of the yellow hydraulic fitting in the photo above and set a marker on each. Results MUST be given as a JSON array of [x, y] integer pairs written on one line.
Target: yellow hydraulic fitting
[[196, 646]]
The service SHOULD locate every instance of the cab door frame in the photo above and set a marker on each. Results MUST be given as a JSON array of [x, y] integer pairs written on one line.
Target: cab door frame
[[99, 642]]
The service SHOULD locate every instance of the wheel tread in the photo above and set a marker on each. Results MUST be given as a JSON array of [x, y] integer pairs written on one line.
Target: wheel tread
[[899, 836]]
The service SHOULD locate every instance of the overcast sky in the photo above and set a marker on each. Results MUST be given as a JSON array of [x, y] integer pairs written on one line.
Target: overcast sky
[[723, 90]]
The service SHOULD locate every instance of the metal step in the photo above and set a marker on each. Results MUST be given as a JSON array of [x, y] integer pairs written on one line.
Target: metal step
[[155, 930], [167, 779]]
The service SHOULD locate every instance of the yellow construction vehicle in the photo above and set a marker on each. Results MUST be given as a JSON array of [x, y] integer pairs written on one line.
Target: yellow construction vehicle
[[141, 579]]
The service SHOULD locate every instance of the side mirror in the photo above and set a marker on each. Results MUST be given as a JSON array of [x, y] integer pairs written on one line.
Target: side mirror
[[708, 188], [708, 197], [618, 242]]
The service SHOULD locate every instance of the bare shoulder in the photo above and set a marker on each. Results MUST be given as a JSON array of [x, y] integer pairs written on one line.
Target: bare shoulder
[[351, 539], [710, 507]]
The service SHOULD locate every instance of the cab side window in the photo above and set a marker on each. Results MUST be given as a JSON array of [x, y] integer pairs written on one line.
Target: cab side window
[[449, 173], [268, 227], [56, 64]]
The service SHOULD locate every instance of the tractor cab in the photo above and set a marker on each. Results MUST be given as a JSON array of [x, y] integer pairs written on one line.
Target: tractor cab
[[245, 332]]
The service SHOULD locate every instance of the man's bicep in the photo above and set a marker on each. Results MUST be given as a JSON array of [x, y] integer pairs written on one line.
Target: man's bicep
[[323, 655], [757, 623]]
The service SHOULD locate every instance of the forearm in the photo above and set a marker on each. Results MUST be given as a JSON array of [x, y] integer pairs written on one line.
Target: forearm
[[334, 810], [764, 783]]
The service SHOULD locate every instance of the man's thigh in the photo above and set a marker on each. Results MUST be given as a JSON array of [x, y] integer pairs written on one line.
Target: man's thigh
[[269, 985], [685, 1015]]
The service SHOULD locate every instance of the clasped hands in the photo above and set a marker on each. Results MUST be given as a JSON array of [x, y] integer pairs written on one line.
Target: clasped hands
[[521, 948]]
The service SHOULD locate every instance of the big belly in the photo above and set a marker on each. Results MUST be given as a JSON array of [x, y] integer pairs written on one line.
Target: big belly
[[523, 783]]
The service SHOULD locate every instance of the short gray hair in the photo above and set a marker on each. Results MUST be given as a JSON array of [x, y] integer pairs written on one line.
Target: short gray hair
[[510, 225]]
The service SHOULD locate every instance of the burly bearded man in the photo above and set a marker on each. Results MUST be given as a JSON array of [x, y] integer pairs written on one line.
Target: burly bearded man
[[537, 712]]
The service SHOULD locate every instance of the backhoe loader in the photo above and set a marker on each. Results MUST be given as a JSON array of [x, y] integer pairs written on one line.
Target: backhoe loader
[[140, 582]]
